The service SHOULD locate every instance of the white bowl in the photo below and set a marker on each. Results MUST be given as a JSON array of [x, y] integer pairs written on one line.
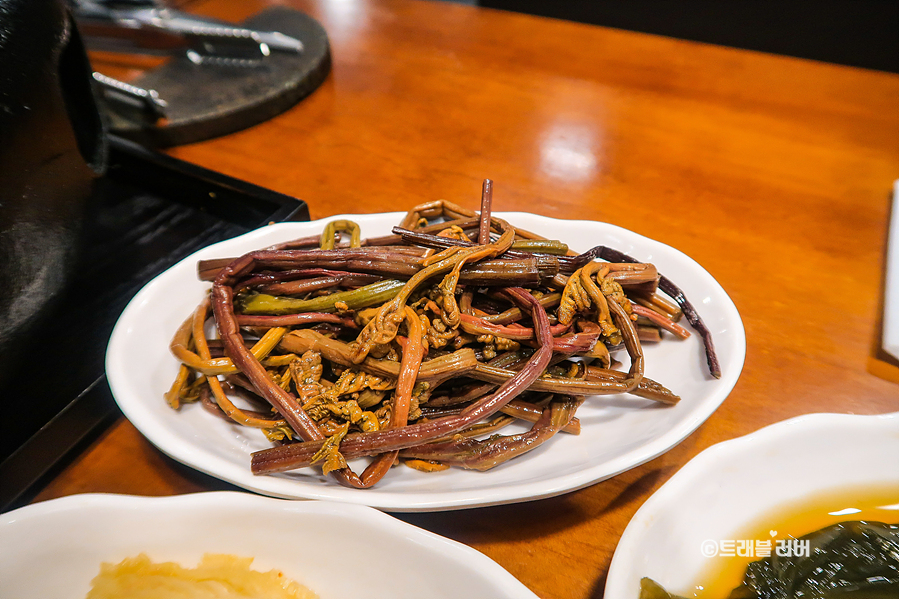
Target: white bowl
[[52, 550], [734, 484]]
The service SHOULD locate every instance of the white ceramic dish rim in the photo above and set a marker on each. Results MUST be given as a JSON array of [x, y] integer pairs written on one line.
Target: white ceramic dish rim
[[891, 287], [623, 580], [450, 551], [159, 435]]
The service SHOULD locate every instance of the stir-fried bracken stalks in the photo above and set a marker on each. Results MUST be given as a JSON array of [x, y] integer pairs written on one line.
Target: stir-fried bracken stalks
[[415, 346]]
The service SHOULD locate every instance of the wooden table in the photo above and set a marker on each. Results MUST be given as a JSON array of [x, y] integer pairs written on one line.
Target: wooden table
[[773, 173]]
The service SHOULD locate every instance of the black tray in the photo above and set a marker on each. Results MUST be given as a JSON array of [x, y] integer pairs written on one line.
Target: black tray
[[149, 211]]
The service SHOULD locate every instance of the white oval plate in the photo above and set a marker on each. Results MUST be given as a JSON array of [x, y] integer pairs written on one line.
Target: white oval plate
[[733, 484], [53, 549], [618, 432]]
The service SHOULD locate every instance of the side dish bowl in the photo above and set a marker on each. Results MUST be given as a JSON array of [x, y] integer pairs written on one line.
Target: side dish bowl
[[736, 483], [54, 549], [617, 432]]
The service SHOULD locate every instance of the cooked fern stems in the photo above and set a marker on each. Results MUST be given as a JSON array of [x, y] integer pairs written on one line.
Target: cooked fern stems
[[418, 347]]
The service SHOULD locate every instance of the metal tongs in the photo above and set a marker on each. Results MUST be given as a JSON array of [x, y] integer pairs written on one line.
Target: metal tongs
[[148, 27]]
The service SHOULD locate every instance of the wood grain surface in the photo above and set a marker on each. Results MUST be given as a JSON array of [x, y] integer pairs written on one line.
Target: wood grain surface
[[773, 173]]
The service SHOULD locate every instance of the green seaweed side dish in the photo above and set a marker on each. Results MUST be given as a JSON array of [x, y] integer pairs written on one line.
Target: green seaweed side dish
[[850, 560]]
